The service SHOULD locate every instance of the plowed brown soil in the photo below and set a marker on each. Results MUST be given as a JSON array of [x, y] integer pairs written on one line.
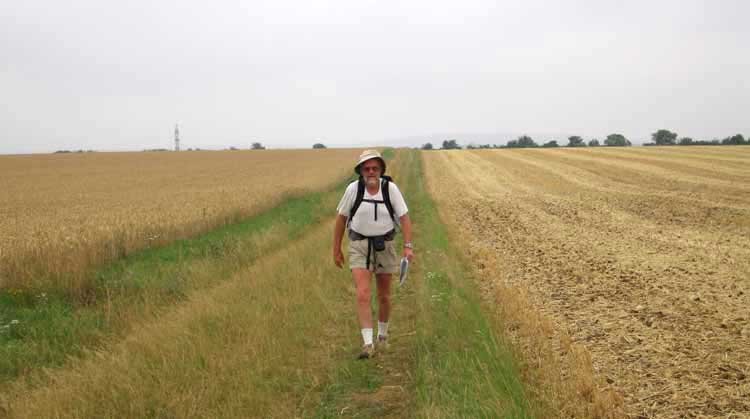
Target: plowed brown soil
[[640, 256]]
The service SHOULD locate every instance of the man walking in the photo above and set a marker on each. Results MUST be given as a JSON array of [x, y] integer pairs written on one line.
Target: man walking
[[371, 209]]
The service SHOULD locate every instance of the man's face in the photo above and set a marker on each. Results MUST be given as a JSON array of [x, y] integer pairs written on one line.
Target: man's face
[[371, 171]]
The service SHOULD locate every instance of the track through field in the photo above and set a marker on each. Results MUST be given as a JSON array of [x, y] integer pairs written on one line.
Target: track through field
[[278, 338]]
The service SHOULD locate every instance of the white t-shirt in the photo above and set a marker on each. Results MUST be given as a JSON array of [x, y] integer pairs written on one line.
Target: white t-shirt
[[364, 220]]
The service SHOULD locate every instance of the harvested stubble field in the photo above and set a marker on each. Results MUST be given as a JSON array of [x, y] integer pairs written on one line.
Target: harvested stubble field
[[623, 275], [64, 213]]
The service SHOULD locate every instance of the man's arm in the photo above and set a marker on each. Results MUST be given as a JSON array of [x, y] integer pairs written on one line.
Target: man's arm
[[338, 237], [406, 229]]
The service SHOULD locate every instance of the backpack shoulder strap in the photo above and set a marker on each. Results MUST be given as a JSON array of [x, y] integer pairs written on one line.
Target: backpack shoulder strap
[[385, 187], [358, 198]]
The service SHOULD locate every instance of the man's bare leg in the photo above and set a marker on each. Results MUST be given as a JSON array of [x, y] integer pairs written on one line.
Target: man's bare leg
[[384, 296], [362, 278]]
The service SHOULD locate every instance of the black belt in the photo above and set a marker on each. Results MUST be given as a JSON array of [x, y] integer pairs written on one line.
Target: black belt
[[354, 236]]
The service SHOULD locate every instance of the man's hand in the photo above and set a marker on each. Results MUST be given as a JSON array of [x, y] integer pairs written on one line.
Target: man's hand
[[338, 258], [406, 229], [338, 235]]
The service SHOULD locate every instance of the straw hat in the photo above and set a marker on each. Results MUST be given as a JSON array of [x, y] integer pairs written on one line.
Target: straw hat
[[369, 155]]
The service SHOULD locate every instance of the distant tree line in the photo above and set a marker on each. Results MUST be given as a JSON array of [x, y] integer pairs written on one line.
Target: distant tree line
[[660, 137], [524, 141], [76, 151], [253, 146], [667, 137]]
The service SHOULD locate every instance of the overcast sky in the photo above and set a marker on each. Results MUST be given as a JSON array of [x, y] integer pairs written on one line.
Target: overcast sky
[[109, 75]]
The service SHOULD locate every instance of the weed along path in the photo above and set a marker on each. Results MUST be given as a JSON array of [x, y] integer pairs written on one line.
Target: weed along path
[[277, 336]]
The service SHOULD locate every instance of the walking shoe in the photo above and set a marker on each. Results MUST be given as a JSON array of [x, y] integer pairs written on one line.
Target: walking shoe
[[368, 351], [382, 342]]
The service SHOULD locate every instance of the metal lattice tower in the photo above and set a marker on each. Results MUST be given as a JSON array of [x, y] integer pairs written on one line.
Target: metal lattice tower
[[176, 138]]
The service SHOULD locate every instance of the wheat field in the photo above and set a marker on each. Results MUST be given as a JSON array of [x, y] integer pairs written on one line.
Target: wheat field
[[65, 213], [623, 275]]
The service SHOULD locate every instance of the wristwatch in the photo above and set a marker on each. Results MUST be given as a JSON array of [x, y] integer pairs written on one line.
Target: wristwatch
[[409, 245]]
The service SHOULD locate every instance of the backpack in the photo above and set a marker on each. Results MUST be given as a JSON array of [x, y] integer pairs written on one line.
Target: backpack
[[384, 187]]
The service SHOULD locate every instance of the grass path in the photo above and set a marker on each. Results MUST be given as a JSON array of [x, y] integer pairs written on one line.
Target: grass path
[[278, 338], [444, 360]]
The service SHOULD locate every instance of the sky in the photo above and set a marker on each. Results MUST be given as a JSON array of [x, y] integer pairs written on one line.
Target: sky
[[118, 75]]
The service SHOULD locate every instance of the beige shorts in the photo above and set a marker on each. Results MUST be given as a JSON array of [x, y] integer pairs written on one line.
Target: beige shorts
[[387, 261]]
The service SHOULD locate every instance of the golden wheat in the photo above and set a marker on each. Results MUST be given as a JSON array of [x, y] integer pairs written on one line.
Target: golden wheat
[[64, 213]]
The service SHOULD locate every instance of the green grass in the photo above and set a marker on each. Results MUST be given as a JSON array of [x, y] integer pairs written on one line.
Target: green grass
[[388, 153], [351, 376], [463, 369], [42, 329]]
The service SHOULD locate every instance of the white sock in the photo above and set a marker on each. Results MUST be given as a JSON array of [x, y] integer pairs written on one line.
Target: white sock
[[382, 328], [367, 336]]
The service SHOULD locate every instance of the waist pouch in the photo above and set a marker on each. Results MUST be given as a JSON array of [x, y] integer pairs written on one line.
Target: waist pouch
[[389, 236], [376, 243]]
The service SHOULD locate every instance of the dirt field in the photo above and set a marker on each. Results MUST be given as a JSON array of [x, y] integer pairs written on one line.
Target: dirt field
[[641, 256], [63, 213]]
